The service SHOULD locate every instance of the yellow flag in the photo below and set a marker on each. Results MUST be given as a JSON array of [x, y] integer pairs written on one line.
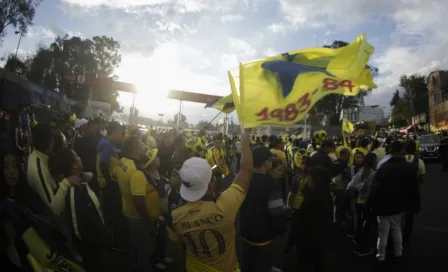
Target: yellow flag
[[280, 90], [347, 126], [224, 104]]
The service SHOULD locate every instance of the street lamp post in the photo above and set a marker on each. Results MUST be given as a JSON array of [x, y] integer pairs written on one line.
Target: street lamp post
[[18, 44]]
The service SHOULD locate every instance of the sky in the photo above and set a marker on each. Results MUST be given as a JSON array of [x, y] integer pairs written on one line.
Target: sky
[[190, 45]]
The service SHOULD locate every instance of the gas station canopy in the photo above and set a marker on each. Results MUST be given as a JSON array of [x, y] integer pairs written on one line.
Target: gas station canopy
[[193, 97]]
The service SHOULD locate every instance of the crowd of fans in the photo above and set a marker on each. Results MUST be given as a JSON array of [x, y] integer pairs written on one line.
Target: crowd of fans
[[71, 194]]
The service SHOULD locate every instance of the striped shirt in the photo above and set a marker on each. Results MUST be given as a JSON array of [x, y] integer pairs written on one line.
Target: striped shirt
[[39, 177]]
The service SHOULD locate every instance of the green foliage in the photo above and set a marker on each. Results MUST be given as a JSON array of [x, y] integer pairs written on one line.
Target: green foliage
[[18, 14], [395, 98], [182, 124], [413, 100], [69, 57], [415, 93], [16, 64]]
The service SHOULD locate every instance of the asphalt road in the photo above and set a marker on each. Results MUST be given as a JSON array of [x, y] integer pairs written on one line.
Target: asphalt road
[[427, 252]]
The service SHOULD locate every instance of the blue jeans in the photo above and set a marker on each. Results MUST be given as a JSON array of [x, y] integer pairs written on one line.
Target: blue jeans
[[142, 241]]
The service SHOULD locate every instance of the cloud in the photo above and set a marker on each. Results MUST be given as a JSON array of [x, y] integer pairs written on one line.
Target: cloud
[[231, 18], [117, 3], [328, 33], [419, 40], [181, 6], [270, 52], [278, 28], [40, 32], [243, 49], [419, 46], [229, 61]]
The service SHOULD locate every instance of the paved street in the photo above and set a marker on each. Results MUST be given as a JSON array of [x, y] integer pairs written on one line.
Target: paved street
[[426, 253]]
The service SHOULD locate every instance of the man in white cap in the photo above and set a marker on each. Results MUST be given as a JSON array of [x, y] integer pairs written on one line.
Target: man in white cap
[[207, 225]]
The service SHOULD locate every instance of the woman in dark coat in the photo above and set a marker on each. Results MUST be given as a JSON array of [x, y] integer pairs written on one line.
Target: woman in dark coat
[[314, 221]]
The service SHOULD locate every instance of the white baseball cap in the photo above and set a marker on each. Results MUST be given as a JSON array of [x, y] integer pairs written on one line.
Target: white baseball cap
[[80, 122], [195, 174]]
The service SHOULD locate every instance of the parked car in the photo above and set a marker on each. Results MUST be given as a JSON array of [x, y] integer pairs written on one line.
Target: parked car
[[429, 146]]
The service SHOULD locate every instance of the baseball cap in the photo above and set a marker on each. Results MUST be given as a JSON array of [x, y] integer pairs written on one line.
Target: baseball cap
[[195, 174], [80, 122], [261, 154]]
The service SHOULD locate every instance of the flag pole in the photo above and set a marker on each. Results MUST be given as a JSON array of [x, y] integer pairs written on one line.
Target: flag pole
[[209, 123]]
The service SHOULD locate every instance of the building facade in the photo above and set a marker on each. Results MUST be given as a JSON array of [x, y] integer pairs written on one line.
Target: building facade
[[438, 100], [364, 113]]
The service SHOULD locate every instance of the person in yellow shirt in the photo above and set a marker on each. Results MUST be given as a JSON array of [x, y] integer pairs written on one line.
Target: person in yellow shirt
[[205, 225], [363, 147], [150, 139], [216, 156], [417, 143], [277, 148], [139, 214]]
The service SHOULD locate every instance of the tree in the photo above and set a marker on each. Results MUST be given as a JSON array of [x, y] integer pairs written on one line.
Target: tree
[[183, 121], [415, 93], [395, 98], [332, 105], [73, 56], [202, 124], [16, 64], [107, 58], [17, 14], [183, 118], [401, 113]]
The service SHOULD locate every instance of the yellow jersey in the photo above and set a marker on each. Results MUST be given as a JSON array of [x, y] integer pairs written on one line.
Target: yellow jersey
[[124, 174], [207, 228], [141, 186], [216, 156], [421, 164]]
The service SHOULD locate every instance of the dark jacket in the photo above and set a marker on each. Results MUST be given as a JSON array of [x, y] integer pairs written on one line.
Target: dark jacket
[[394, 188], [322, 159], [85, 147], [313, 222], [262, 214], [86, 219]]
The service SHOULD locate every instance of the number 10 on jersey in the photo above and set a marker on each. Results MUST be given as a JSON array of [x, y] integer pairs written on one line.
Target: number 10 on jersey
[[208, 243]]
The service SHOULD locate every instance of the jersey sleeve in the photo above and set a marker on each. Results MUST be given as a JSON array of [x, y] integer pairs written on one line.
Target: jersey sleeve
[[138, 184], [230, 200]]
